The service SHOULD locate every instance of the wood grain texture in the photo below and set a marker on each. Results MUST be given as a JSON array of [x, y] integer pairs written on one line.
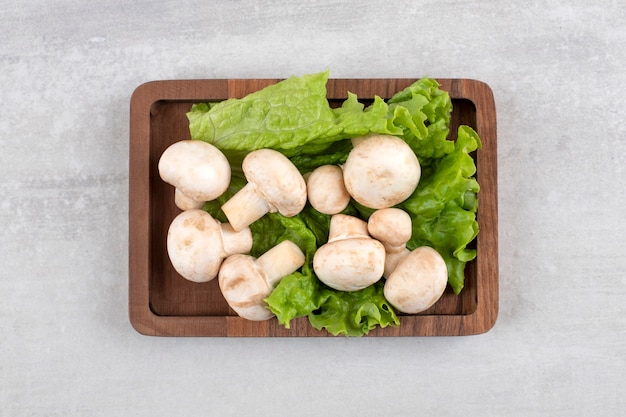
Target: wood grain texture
[[161, 303]]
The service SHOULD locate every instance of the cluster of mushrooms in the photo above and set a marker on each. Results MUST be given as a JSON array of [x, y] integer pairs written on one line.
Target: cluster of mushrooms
[[380, 172]]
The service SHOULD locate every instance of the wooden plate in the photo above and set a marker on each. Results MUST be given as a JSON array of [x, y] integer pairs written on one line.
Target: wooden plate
[[161, 303]]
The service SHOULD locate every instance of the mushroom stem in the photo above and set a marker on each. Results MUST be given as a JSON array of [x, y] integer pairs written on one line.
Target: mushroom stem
[[343, 226], [245, 282], [235, 241], [356, 140], [184, 202], [393, 257], [280, 261], [245, 207]]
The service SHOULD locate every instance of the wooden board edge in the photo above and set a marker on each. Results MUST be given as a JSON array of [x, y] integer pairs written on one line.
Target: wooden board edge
[[146, 322]]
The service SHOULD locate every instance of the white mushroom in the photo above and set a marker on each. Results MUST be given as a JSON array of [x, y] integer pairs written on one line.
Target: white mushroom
[[393, 228], [417, 282], [381, 171], [199, 171], [245, 282], [274, 185], [351, 260], [326, 190], [197, 244]]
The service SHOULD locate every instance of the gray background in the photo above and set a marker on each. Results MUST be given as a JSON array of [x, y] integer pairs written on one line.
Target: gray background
[[67, 70]]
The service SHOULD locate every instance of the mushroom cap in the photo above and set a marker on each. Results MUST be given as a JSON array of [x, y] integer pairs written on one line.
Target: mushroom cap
[[392, 226], [350, 264], [418, 281], [194, 245], [326, 190], [277, 181], [244, 287], [197, 168], [381, 171]]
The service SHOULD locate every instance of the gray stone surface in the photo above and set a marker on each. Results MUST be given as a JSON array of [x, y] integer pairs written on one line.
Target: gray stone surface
[[67, 70]]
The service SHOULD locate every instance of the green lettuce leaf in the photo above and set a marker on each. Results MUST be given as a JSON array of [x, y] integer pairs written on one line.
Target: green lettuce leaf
[[357, 120], [297, 295], [353, 313], [284, 116], [423, 112], [444, 205], [338, 312]]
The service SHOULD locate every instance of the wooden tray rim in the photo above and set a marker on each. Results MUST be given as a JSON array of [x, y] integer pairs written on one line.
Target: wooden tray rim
[[146, 322]]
